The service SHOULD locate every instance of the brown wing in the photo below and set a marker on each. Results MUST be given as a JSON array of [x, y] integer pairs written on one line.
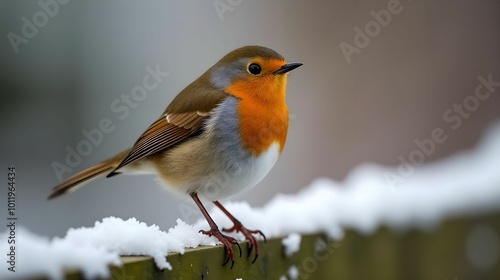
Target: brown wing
[[164, 133], [182, 119]]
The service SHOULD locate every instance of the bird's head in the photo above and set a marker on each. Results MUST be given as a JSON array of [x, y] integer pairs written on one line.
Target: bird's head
[[252, 72]]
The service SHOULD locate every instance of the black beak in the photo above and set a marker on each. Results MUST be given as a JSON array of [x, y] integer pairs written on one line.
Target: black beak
[[287, 67]]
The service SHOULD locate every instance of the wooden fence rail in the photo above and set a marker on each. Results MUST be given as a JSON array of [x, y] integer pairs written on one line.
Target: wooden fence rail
[[440, 254]]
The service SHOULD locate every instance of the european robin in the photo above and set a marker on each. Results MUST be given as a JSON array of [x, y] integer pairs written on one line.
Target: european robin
[[219, 136]]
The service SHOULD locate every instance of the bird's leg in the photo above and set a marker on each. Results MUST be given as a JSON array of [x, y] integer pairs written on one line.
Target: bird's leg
[[227, 241], [238, 227]]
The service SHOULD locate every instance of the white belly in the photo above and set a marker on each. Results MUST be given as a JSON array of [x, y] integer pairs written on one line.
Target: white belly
[[241, 176]]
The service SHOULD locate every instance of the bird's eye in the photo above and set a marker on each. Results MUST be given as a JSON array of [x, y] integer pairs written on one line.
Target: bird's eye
[[254, 69]]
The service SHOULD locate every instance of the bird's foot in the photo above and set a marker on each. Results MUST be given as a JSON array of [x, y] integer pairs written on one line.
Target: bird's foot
[[227, 241], [238, 227]]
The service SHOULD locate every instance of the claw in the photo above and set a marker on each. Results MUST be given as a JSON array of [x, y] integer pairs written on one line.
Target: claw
[[250, 250], [263, 236], [255, 258], [227, 241], [239, 247], [238, 227], [232, 263], [252, 241]]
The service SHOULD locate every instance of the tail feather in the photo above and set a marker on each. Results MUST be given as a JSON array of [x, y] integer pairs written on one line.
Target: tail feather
[[80, 179], [85, 176]]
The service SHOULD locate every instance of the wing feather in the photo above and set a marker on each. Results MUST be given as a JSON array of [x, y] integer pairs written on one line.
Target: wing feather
[[182, 119], [163, 134]]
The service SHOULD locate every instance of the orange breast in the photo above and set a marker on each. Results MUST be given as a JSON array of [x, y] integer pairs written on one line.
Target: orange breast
[[263, 112]]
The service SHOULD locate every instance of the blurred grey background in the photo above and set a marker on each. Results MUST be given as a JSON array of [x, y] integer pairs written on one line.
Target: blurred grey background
[[86, 54]]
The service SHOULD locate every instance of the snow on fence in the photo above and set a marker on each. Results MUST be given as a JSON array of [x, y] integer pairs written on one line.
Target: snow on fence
[[457, 249]]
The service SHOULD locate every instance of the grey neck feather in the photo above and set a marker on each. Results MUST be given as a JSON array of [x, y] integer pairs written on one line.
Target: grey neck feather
[[224, 75]]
